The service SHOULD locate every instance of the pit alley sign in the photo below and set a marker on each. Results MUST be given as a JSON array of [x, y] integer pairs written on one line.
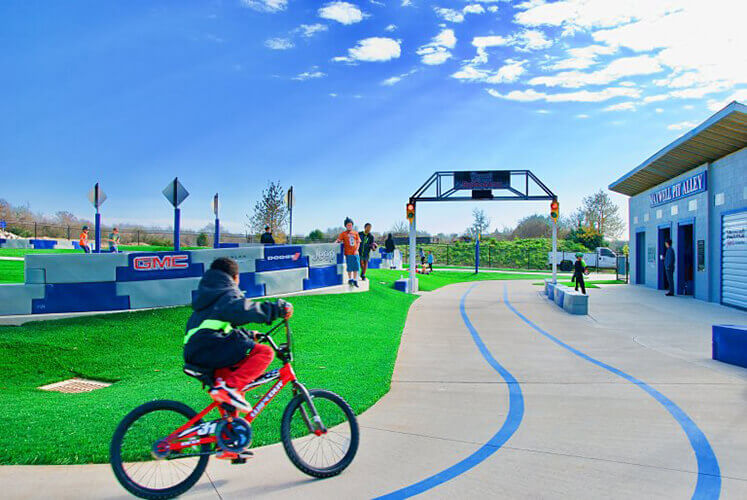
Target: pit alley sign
[[686, 187], [160, 262]]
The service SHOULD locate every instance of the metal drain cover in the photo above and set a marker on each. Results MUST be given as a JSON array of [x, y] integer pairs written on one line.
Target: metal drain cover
[[75, 385]]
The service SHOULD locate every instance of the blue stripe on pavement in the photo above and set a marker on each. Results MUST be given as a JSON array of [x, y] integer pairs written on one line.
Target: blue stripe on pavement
[[509, 427], [708, 485]]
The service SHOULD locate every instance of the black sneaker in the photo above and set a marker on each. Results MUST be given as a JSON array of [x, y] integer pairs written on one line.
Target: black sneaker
[[363, 277], [355, 284], [350, 282]]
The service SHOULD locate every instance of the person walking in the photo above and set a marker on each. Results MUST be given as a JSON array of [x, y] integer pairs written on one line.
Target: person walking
[[389, 247], [83, 240], [430, 260], [422, 256], [367, 244], [114, 241], [579, 269], [351, 241], [669, 260], [266, 238]]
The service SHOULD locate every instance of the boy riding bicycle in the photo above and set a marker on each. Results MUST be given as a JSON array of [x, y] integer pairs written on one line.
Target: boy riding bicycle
[[214, 340]]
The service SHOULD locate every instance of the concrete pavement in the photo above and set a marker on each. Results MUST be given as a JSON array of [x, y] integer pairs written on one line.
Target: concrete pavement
[[584, 432]]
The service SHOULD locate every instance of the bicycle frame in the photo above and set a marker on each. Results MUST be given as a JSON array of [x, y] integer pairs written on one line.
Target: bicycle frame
[[188, 434]]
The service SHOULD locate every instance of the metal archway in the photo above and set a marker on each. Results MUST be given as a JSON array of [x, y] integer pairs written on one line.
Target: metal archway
[[485, 185]]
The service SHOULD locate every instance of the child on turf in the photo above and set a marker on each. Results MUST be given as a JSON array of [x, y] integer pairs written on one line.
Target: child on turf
[[214, 340], [351, 241], [579, 268], [83, 240]]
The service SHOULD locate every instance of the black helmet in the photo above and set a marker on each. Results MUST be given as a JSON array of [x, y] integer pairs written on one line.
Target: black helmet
[[85, 228]]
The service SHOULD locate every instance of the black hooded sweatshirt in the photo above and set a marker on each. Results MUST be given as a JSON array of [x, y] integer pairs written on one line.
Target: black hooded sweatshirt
[[219, 298]]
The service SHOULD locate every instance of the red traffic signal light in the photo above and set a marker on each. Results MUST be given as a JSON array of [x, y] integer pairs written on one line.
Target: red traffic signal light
[[410, 211], [554, 210]]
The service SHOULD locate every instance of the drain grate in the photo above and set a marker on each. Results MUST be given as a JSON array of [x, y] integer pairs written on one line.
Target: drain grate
[[75, 385]]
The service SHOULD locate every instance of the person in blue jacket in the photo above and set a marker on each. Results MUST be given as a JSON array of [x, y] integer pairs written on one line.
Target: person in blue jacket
[[669, 260]]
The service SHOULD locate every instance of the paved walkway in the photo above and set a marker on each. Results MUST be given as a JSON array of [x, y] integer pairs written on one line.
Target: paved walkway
[[563, 427]]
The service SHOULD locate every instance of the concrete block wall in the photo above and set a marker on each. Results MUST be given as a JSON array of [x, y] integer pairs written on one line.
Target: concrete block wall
[[38, 244], [57, 283]]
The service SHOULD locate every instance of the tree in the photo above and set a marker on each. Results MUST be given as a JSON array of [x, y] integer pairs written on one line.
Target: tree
[[316, 235], [400, 227], [202, 240], [270, 210], [480, 222], [601, 214], [587, 236], [533, 226]]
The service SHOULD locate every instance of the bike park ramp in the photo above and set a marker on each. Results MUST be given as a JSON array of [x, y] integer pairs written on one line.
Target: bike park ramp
[[498, 393]]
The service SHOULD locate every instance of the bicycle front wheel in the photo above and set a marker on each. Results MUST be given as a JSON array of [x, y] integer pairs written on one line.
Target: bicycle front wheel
[[138, 464], [322, 447]]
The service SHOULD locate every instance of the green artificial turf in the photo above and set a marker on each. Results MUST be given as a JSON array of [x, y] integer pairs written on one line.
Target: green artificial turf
[[429, 282], [11, 271], [345, 343]]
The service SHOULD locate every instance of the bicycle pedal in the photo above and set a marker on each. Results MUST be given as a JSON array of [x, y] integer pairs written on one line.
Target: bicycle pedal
[[242, 458]]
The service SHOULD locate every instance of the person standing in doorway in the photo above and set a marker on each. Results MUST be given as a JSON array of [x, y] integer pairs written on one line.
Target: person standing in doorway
[[669, 260], [389, 247], [579, 268], [351, 243], [367, 244], [114, 241], [83, 240], [266, 238]]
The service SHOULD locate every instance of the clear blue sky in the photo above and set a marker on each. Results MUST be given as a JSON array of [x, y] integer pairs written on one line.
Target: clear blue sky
[[354, 104]]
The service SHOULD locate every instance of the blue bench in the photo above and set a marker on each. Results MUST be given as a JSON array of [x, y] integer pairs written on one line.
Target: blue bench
[[571, 301], [730, 344]]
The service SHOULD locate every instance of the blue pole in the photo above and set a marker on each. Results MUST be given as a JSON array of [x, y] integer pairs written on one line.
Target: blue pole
[[176, 229], [477, 254], [216, 240], [98, 232]]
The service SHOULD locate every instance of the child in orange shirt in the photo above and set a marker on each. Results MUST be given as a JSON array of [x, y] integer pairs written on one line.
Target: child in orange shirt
[[351, 242]]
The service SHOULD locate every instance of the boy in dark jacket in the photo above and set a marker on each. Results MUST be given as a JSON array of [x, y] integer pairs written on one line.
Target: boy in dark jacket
[[213, 337], [579, 268]]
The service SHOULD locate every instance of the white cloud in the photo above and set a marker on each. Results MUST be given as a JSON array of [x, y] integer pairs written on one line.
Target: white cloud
[[391, 27], [582, 116], [659, 110], [437, 51], [578, 96], [493, 8], [342, 12], [682, 125], [655, 98], [583, 57], [623, 106], [474, 8], [739, 96], [406, 3], [279, 43], [332, 94], [626, 84], [391, 81], [619, 68], [374, 49], [450, 15], [309, 30], [543, 111], [310, 75], [531, 40], [266, 5], [483, 42], [508, 73]]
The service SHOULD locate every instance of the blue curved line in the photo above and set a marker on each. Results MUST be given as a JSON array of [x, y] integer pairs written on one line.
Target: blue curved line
[[708, 485], [509, 427]]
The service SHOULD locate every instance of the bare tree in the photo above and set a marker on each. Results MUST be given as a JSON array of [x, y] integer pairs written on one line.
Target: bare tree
[[602, 214], [400, 227], [270, 210], [480, 222]]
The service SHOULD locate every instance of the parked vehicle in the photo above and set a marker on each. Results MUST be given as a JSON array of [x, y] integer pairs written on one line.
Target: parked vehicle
[[601, 258]]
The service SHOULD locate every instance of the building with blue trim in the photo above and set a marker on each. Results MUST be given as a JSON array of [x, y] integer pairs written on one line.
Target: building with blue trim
[[694, 192]]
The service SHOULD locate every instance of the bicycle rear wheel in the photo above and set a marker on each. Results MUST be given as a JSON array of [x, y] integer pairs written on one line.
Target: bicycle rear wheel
[[315, 452], [133, 460]]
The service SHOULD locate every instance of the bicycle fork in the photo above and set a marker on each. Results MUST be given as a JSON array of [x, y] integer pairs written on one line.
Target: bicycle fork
[[314, 421]]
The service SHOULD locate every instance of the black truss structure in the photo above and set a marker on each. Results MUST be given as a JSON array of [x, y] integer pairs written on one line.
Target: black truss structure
[[446, 192]]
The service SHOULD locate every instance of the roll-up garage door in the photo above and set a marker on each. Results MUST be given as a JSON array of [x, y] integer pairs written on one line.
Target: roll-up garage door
[[734, 259]]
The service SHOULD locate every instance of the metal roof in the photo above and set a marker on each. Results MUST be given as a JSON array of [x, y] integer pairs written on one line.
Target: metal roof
[[721, 134]]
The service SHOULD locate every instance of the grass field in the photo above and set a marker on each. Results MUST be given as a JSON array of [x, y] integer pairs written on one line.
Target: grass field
[[11, 271], [335, 336]]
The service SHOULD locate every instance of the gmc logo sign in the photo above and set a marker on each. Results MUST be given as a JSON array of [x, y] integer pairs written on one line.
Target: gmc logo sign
[[160, 262]]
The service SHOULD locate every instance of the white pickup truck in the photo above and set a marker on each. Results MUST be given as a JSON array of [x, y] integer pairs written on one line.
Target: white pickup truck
[[602, 258]]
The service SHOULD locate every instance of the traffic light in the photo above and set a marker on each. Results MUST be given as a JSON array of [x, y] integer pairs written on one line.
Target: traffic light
[[554, 210], [410, 212]]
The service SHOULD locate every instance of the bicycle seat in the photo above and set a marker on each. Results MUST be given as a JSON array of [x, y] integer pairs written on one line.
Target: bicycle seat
[[204, 375]]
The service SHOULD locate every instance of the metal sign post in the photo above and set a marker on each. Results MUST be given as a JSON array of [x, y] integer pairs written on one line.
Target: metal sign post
[[290, 200], [176, 194], [413, 271], [97, 197], [216, 238], [554, 252], [477, 251]]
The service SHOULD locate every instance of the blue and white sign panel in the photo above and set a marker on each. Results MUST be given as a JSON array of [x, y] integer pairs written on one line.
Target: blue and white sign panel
[[682, 189]]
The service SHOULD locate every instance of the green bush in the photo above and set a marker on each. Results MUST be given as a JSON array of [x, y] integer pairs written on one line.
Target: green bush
[[202, 240]]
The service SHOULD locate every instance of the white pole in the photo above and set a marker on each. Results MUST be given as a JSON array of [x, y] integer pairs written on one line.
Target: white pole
[[554, 252], [413, 276]]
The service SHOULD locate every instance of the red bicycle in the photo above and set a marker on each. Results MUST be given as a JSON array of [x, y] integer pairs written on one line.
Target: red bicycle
[[161, 448]]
